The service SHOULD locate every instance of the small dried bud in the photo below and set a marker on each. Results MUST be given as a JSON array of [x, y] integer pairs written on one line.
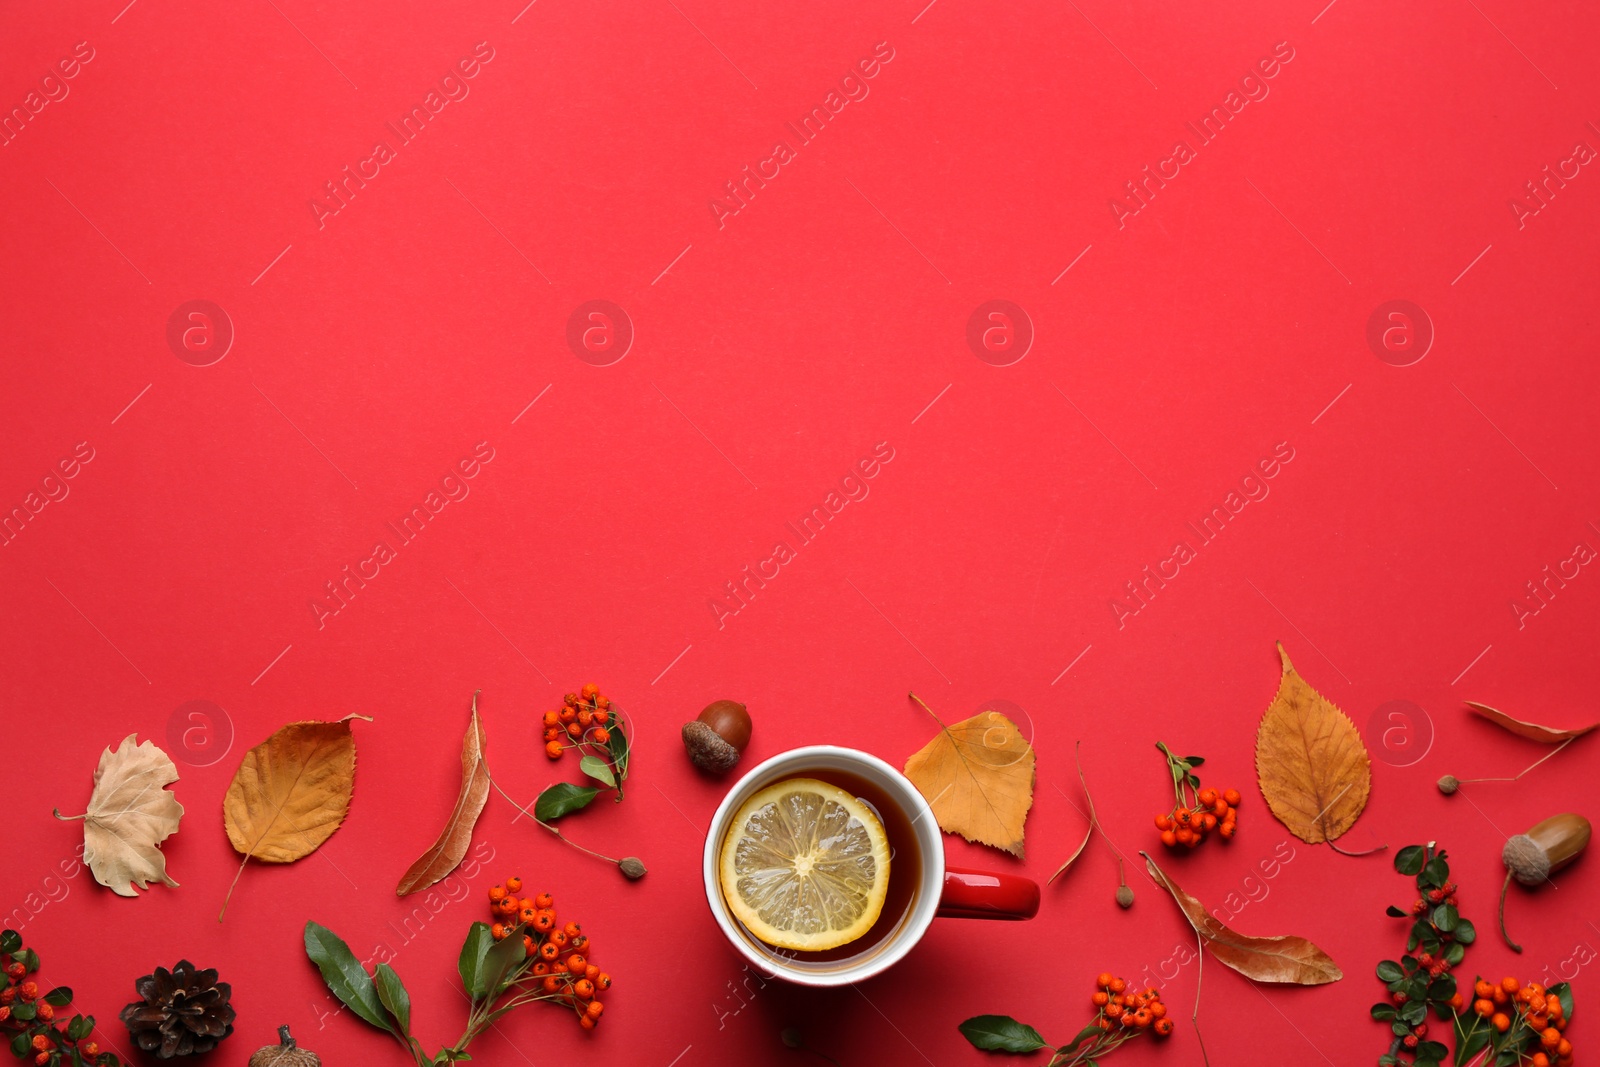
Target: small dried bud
[[1125, 895], [633, 867], [1449, 784]]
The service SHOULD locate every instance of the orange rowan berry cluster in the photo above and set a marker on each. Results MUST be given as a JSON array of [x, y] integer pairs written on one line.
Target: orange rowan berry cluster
[[1529, 1020], [557, 963], [1118, 1007], [1196, 812], [583, 719], [28, 1022]]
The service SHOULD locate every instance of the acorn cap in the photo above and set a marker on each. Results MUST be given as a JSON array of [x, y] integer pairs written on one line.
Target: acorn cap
[[707, 748]]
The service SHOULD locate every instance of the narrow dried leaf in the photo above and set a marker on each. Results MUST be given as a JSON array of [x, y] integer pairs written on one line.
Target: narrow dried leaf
[[1088, 831], [1532, 731], [130, 813], [1310, 761], [1287, 960], [977, 777], [446, 853], [291, 792]]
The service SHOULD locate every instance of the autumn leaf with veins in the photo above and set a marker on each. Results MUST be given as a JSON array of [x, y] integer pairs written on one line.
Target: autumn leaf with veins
[[977, 776]]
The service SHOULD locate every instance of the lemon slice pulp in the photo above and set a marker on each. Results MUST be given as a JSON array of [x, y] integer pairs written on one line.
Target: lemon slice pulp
[[805, 865]]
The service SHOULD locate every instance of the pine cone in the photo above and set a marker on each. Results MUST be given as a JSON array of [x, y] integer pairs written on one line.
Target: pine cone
[[185, 1011]]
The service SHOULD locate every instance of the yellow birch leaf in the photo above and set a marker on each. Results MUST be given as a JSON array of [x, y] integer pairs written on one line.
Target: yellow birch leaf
[[130, 813], [1310, 761], [977, 776], [291, 792]]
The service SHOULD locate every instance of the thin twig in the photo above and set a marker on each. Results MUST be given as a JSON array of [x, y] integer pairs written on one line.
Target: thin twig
[[1526, 769], [541, 822], [1199, 976]]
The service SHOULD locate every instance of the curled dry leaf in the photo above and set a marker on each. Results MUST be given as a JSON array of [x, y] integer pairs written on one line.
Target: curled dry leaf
[[291, 792], [1531, 730], [1089, 830], [977, 777], [130, 813], [1310, 761], [1286, 960], [447, 852]]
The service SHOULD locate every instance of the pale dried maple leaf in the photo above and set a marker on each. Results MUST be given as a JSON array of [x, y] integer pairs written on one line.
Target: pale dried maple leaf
[[130, 813]]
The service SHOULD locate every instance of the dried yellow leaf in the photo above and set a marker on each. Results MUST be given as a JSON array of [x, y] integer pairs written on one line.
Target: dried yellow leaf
[[1310, 761], [977, 776], [130, 813]]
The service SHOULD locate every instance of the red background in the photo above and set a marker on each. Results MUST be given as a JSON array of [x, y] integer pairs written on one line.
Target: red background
[[373, 353]]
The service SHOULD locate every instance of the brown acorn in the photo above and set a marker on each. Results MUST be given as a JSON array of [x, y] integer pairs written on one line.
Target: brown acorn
[[717, 737], [284, 1054]]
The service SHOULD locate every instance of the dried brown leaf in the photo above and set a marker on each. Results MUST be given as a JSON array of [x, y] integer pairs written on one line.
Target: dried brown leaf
[[1531, 730], [447, 852], [978, 778], [1087, 833], [130, 813], [1310, 761], [291, 792], [1286, 960]]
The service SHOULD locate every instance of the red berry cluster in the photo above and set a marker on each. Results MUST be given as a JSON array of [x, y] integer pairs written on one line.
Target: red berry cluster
[[1119, 1007], [1189, 826], [1195, 811], [582, 720], [556, 966], [28, 1017], [1528, 1019]]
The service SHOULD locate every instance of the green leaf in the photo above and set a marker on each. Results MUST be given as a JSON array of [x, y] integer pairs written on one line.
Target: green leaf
[[10, 941], [1381, 1012], [1395, 912], [1465, 932], [502, 960], [80, 1027], [59, 997], [1455, 952], [393, 996], [1431, 1051], [1472, 1037], [1389, 971], [470, 965], [598, 769], [563, 798], [24, 1012], [1001, 1033], [1409, 860], [1413, 1012], [1435, 873], [21, 1045], [1194, 761], [1400, 1029], [1445, 917], [343, 974], [1562, 992], [1087, 1032], [618, 744]]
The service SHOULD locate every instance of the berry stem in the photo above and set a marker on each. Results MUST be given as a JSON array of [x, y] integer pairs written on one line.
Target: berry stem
[[547, 826]]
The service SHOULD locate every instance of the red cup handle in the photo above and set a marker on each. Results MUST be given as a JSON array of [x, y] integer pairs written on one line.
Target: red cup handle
[[982, 895]]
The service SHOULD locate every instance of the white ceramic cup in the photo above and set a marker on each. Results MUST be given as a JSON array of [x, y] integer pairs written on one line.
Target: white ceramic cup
[[939, 890]]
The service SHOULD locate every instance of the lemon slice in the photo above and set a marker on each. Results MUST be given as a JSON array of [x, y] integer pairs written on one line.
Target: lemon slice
[[805, 865]]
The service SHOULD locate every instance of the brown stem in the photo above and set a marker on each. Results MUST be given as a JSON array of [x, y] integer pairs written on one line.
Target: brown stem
[[1342, 852], [1526, 769], [1199, 977], [544, 824], [1503, 887]]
